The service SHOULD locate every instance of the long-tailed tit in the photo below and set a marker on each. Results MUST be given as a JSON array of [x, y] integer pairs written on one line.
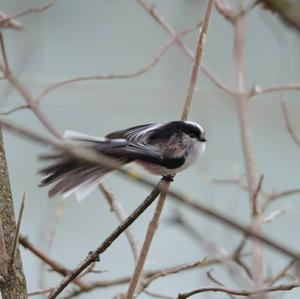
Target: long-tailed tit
[[162, 149]]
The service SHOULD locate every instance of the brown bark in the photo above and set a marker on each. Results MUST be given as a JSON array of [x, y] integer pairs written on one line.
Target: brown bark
[[13, 283]]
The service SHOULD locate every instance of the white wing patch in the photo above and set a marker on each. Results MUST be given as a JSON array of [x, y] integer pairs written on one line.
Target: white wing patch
[[73, 135]]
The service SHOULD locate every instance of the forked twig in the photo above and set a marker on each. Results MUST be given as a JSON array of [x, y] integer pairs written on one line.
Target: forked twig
[[171, 31]]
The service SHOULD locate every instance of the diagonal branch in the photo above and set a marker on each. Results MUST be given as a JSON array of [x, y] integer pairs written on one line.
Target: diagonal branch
[[94, 256], [121, 215], [197, 61]]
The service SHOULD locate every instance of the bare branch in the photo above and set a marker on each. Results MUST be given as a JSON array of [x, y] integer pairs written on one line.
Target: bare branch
[[226, 10], [10, 23], [213, 279], [256, 90], [9, 18], [243, 293], [288, 124], [36, 293], [255, 205], [270, 198], [8, 112], [279, 195], [149, 276], [281, 274]]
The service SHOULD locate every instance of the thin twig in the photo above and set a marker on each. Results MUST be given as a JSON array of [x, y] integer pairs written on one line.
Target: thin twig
[[174, 270], [149, 276], [244, 293], [255, 204], [226, 10], [121, 215], [41, 292], [16, 239], [10, 23], [288, 124], [272, 197], [213, 279], [257, 90], [27, 11], [281, 274], [278, 195], [10, 111], [197, 61]]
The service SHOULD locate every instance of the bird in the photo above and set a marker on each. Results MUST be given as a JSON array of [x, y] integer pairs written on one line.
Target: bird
[[163, 149]]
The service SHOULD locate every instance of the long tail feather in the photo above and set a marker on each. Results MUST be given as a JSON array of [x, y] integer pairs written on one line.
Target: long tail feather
[[67, 175]]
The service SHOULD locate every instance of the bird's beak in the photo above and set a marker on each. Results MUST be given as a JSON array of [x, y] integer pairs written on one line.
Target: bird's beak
[[202, 139]]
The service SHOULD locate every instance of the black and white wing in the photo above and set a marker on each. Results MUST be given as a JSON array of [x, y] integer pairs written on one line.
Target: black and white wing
[[68, 175], [137, 134]]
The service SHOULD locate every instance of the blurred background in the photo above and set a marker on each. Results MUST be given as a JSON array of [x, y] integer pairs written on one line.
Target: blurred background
[[78, 38]]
